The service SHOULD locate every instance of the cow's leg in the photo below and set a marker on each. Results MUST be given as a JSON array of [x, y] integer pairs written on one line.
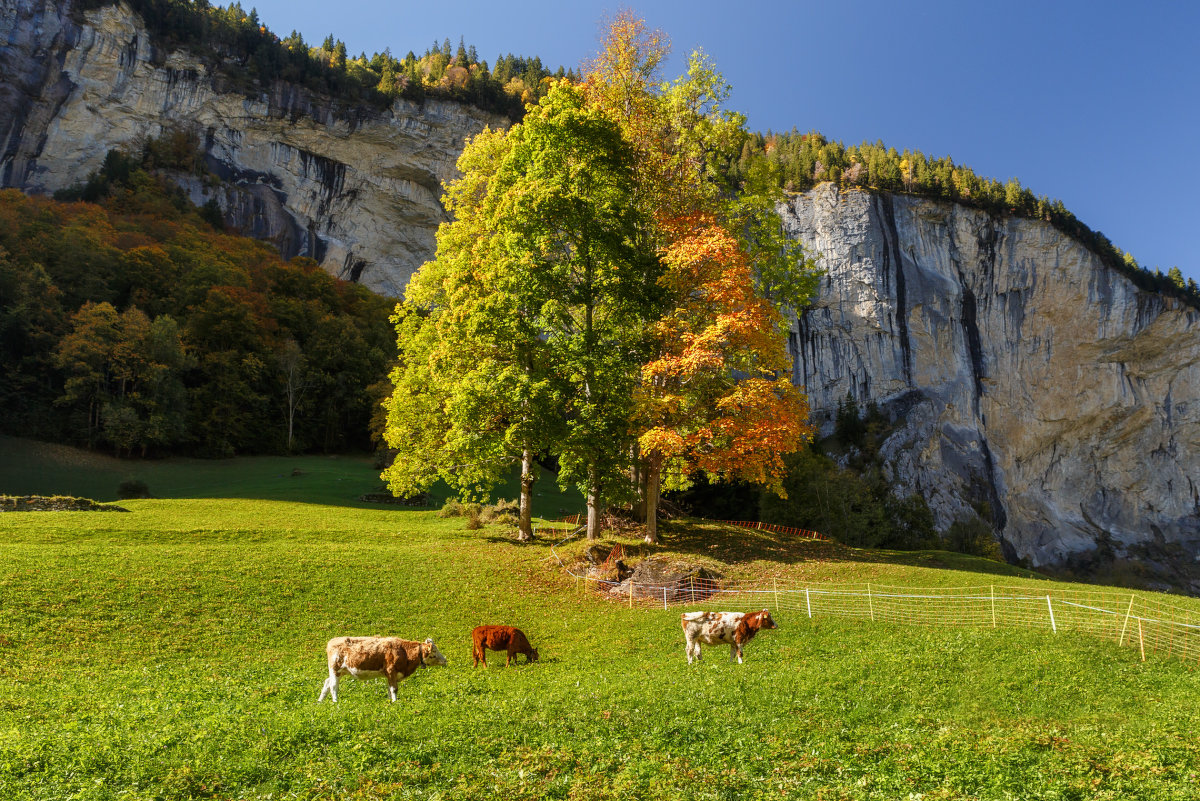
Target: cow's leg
[[391, 680], [510, 656], [733, 653], [330, 687]]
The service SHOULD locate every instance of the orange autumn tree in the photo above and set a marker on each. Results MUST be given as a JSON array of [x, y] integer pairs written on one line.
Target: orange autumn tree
[[717, 397]]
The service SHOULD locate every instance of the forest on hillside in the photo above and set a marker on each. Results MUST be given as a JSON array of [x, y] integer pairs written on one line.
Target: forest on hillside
[[241, 47], [133, 324]]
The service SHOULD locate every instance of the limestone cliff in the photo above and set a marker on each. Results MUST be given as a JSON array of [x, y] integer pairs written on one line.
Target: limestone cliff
[[357, 189], [1019, 370]]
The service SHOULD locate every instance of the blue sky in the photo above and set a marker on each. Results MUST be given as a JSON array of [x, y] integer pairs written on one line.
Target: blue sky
[[1095, 103]]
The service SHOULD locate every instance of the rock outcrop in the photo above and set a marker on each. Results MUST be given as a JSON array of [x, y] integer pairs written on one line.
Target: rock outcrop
[[1019, 370], [355, 188]]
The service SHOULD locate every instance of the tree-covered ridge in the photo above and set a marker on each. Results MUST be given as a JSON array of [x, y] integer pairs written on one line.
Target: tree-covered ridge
[[135, 326], [798, 161], [240, 45]]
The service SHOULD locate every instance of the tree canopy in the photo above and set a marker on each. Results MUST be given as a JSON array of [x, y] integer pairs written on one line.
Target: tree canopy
[[133, 325], [600, 296]]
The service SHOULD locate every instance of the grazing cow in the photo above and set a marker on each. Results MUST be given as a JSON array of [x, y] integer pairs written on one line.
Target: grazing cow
[[713, 628], [501, 638], [372, 657]]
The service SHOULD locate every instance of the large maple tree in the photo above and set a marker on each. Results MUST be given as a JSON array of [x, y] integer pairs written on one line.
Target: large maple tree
[[603, 294]]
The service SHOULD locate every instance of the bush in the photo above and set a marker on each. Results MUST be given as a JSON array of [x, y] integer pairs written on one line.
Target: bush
[[855, 508], [451, 508], [972, 535], [478, 515], [502, 511], [133, 488]]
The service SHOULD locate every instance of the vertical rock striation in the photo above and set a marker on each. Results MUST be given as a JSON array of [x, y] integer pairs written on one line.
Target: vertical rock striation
[[358, 189], [1020, 370]]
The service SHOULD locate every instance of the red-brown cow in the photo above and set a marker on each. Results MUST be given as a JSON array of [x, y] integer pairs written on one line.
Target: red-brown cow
[[500, 638], [713, 628], [372, 657]]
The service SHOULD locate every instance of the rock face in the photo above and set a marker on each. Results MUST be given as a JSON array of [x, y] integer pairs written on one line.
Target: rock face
[[1019, 371], [357, 189]]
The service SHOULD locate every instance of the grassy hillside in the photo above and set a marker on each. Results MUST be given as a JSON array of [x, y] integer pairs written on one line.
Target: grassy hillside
[[28, 467], [177, 652]]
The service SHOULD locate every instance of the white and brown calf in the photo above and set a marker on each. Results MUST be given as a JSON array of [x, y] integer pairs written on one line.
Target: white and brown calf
[[713, 628], [373, 657]]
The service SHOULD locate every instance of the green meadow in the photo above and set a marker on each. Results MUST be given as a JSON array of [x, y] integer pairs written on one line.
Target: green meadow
[[176, 651]]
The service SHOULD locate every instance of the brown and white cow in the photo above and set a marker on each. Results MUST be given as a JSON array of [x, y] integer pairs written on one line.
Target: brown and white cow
[[713, 628], [500, 638], [373, 657]]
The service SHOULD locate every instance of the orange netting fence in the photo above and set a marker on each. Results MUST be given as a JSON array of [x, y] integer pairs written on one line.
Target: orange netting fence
[[802, 533], [1127, 618]]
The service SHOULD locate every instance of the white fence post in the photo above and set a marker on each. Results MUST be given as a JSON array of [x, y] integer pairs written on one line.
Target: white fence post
[[1128, 612], [843, 606]]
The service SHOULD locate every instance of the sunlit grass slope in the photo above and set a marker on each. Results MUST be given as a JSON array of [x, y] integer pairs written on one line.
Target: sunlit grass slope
[[177, 652]]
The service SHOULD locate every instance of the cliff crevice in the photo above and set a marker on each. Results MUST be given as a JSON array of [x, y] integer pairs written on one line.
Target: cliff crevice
[[1041, 381]]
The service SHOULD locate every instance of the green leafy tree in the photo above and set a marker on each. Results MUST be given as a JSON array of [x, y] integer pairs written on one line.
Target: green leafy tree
[[529, 321], [452, 349], [124, 377], [86, 357]]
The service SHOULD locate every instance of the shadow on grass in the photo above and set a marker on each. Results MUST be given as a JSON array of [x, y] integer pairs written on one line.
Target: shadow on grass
[[735, 546], [29, 467]]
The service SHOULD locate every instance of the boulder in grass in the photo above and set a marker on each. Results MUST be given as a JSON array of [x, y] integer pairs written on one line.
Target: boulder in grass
[[682, 581], [54, 503]]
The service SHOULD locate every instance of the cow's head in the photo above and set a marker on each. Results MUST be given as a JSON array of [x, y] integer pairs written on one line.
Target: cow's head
[[533, 655], [765, 621], [430, 654]]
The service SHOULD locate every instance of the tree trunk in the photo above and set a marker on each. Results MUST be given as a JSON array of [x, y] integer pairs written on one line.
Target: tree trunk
[[593, 506], [291, 420], [525, 526], [653, 475], [637, 476]]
